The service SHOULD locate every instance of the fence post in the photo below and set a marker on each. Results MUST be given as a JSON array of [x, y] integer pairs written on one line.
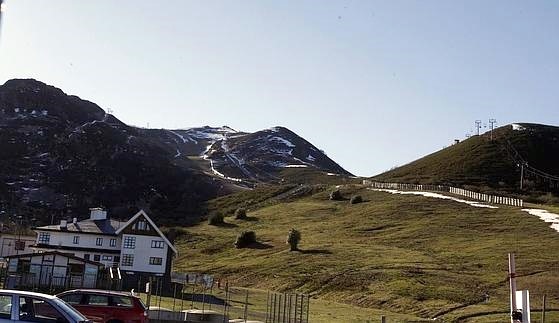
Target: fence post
[[383, 319]]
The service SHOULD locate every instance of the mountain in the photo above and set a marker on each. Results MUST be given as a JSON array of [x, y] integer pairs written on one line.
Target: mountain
[[60, 154], [249, 157], [492, 164]]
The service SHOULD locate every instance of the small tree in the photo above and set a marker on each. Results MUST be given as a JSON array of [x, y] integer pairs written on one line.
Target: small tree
[[216, 219], [293, 239], [336, 195], [244, 239], [240, 214], [356, 199]]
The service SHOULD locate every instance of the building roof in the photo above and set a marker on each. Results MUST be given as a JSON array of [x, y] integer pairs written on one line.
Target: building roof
[[108, 227], [58, 253]]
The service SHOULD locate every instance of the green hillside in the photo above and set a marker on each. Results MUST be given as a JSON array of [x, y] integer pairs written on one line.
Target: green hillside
[[490, 164], [411, 255]]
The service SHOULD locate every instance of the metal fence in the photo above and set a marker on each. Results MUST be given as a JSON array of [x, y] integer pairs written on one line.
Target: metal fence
[[223, 302]]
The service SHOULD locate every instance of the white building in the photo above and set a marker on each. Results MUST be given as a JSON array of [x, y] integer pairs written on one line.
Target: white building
[[136, 246]]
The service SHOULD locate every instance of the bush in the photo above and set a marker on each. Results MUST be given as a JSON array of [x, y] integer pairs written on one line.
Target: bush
[[240, 214], [245, 239], [216, 219], [356, 199], [336, 195], [293, 239]]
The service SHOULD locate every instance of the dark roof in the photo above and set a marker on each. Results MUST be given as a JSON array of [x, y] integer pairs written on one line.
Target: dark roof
[[69, 255], [50, 247], [88, 226]]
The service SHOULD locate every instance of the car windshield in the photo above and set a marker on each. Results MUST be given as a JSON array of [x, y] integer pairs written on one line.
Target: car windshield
[[68, 309]]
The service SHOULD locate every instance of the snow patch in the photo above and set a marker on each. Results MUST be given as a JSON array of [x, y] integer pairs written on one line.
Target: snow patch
[[436, 195], [546, 216], [296, 166], [311, 158], [282, 141], [183, 138], [517, 127]]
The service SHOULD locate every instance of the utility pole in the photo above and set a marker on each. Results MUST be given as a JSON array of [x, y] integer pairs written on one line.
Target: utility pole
[[1, 9], [492, 122], [512, 281], [521, 175], [478, 126]]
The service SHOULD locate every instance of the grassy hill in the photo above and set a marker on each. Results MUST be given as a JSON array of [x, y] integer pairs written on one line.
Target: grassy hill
[[489, 164], [400, 254]]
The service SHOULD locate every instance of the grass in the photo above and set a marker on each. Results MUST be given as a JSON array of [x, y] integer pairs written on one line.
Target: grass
[[488, 165], [411, 255]]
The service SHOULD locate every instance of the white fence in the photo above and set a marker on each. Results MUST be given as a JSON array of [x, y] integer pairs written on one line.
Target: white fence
[[453, 190]]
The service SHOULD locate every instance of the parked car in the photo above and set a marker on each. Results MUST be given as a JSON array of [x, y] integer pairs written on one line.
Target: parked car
[[107, 306], [25, 306]]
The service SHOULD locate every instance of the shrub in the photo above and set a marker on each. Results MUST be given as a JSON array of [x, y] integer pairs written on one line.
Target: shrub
[[356, 199], [244, 239], [216, 219], [293, 239], [336, 195], [240, 214]]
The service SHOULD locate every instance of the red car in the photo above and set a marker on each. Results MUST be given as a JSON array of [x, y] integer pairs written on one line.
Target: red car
[[106, 306]]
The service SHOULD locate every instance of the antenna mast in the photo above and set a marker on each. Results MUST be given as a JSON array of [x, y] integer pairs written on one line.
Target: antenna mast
[[478, 126], [492, 122]]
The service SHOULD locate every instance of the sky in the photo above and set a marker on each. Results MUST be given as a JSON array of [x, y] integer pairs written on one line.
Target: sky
[[375, 84]]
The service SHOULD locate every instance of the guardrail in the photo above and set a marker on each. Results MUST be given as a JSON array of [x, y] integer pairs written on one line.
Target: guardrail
[[495, 199]]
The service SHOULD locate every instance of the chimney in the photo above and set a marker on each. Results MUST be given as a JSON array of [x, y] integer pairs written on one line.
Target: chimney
[[98, 213], [74, 220], [63, 224]]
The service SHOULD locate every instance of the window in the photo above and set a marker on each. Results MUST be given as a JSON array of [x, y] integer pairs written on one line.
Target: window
[[19, 245], [157, 244], [5, 307], [142, 225], [37, 310], [44, 237], [127, 260], [112, 243], [86, 256], [76, 239], [72, 299], [100, 300], [99, 241], [155, 261], [107, 258], [129, 243], [121, 301], [96, 257]]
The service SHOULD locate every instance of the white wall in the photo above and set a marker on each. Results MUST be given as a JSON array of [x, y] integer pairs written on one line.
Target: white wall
[[142, 252], [86, 240]]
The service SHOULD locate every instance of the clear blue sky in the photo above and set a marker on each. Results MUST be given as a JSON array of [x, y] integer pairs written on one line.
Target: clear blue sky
[[373, 83]]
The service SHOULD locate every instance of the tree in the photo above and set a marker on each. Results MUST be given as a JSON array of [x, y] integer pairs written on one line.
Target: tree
[[293, 239], [216, 219], [336, 195], [240, 214], [244, 239], [356, 199]]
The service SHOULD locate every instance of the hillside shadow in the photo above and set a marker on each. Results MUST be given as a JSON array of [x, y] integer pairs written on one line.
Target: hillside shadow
[[226, 225], [249, 219], [259, 245], [315, 251]]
